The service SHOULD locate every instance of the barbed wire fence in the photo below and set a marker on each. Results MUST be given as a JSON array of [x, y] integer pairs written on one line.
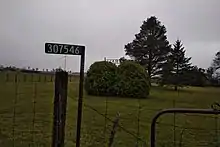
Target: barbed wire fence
[[31, 123]]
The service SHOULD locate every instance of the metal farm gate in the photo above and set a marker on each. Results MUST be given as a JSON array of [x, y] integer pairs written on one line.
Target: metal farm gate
[[206, 135]]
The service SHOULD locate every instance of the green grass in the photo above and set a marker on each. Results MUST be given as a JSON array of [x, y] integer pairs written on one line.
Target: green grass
[[197, 129]]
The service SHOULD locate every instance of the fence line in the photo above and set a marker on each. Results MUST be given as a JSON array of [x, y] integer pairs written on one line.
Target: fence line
[[112, 121], [176, 135], [184, 128], [216, 128], [174, 122], [14, 109], [21, 134], [32, 77], [34, 112], [106, 113]]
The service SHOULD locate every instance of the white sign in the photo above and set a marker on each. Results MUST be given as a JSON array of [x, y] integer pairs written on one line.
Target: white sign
[[115, 61]]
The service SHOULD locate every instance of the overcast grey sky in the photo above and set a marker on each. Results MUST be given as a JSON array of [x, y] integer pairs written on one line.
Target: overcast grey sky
[[103, 26]]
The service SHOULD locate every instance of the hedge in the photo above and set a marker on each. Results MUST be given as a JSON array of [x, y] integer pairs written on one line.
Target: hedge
[[129, 79]]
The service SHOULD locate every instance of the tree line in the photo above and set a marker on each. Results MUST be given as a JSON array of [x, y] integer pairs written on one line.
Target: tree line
[[31, 70], [167, 64]]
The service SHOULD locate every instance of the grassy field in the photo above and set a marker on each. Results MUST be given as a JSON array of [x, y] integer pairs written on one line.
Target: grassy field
[[32, 103]]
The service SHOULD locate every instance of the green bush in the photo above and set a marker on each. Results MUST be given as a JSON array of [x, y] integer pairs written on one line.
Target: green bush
[[128, 80], [134, 81], [101, 79]]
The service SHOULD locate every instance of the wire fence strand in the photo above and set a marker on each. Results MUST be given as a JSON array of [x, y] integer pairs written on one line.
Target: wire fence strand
[[172, 129]]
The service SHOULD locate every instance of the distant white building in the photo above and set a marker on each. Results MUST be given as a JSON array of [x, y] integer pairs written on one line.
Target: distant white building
[[115, 61], [1, 67]]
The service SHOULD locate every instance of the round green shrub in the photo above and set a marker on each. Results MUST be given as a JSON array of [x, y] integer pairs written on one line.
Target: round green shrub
[[134, 81], [101, 79], [128, 80]]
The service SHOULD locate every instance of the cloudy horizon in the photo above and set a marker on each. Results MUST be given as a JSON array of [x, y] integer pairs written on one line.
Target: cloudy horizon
[[104, 27]]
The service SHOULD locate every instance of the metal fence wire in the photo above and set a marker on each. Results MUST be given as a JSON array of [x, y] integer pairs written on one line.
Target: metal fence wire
[[25, 114], [26, 117]]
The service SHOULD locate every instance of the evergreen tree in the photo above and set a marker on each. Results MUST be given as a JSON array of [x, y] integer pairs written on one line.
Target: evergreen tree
[[195, 77], [166, 74], [150, 47], [209, 73], [213, 72], [216, 61], [177, 66]]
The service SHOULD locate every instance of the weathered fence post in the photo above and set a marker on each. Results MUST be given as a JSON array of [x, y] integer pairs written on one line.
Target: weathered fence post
[[39, 78], [32, 77], [59, 114], [174, 125], [45, 78], [25, 77], [7, 77], [113, 132], [70, 78]]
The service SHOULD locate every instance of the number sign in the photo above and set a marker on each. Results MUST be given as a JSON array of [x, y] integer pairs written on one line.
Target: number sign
[[54, 48]]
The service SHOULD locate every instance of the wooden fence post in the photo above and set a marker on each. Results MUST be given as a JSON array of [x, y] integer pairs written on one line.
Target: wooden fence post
[[25, 77], [39, 78], [45, 78], [7, 77], [59, 114]]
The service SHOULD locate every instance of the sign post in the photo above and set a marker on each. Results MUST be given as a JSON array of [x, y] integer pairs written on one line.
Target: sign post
[[67, 49], [79, 115]]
